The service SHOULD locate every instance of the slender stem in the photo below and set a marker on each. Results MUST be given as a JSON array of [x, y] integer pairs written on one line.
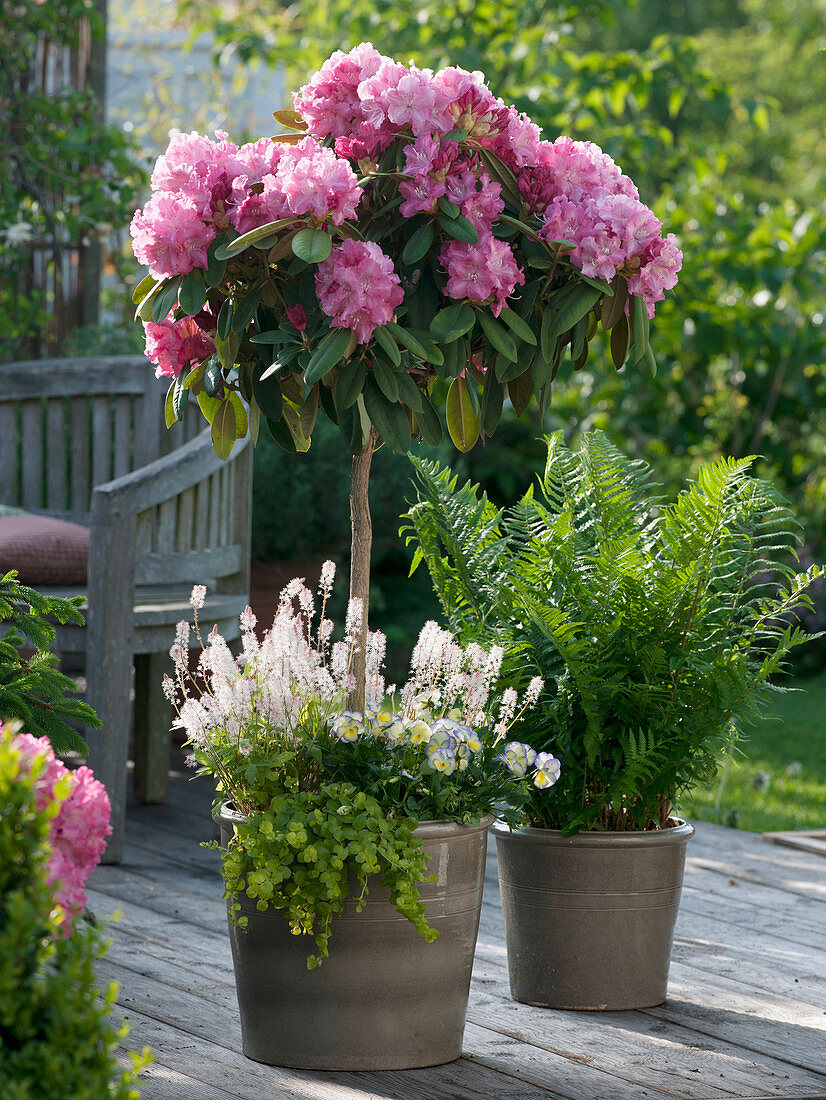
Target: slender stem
[[361, 541]]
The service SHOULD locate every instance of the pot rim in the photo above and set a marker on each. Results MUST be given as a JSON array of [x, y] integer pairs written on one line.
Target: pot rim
[[427, 829], [631, 838]]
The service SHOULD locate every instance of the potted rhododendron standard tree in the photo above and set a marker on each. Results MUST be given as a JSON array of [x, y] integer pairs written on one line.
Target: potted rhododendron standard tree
[[412, 229]]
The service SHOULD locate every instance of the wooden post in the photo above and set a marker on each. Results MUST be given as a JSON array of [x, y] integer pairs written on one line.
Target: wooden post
[[361, 541]]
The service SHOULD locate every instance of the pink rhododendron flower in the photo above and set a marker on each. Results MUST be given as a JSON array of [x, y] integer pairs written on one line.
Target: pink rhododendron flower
[[173, 345], [329, 103], [358, 288], [297, 317], [485, 271], [314, 180], [248, 210], [658, 272], [77, 835], [170, 236], [405, 97]]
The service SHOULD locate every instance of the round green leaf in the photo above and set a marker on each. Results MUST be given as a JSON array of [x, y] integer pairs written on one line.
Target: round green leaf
[[312, 245]]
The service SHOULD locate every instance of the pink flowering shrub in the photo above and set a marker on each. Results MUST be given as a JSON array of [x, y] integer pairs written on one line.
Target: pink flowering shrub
[[424, 229], [79, 829]]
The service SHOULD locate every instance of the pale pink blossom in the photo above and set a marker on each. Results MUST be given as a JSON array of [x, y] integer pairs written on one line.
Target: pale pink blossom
[[357, 288], [173, 346], [170, 236]]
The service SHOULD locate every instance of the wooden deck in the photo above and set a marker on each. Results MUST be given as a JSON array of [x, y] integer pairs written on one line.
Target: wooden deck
[[745, 1017]]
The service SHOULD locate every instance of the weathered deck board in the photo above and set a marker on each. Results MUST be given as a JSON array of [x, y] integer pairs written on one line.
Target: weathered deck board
[[745, 1017]]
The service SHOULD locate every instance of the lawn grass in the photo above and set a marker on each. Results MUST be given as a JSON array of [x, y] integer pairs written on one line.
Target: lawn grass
[[776, 777]]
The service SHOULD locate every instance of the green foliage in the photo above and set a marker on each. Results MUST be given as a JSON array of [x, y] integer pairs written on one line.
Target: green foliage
[[67, 176], [56, 1038], [657, 627], [304, 851], [32, 688]]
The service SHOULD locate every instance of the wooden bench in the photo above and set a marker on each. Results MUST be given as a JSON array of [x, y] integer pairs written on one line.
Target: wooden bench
[[84, 440]]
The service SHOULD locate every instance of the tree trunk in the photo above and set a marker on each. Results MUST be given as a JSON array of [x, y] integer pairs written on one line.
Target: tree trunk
[[361, 541]]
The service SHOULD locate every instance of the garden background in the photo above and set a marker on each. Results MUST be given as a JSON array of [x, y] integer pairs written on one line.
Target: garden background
[[713, 105]]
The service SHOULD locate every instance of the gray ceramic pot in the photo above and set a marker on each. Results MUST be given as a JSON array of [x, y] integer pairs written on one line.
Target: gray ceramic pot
[[589, 919], [385, 998]]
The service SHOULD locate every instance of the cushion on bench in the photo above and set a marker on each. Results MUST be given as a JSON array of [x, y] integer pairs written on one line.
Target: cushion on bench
[[43, 550]]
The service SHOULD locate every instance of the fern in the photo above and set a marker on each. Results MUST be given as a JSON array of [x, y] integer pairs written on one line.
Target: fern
[[33, 688], [656, 626]]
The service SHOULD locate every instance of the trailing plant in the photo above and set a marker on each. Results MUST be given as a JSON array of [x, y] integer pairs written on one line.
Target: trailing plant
[[56, 1035], [657, 627], [32, 687], [323, 796]]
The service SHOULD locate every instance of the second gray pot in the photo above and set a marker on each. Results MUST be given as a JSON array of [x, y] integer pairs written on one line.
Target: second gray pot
[[589, 919]]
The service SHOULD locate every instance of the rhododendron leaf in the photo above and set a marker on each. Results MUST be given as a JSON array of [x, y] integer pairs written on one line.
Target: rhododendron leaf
[[143, 310], [244, 310], [349, 383], [505, 369], [224, 431], [142, 289], [429, 422], [213, 378], [194, 380], [456, 135], [650, 360], [330, 351], [351, 428], [599, 284], [456, 357], [260, 233], [565, 308], [405, 337], [312, 245], [224, 324], [451, 209], [499, 171], [193, 293], [180, 397], [208, 405], [165, 299], [613, 306], [266, 390], [328, 404], [460, 229], [520, 391], [497, 336], [386, 378], [241, 420], [255, 420], [518, 326], [169, 406], [388, 345], [228, 350], [639, 330], [409, 392], [619, 342], [432, 352], [580, 360], [301, 421], [388, 417], [462, 422], [515, 223], [288, 139], [289, 118], [281, 434], [216, 269], [579, 338], [493, 397], [542, 371], [452, 322], [419, 244]]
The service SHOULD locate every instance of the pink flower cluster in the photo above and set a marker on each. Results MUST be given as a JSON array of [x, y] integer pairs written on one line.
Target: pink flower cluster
[[357, 288], [173, 345], [483, 272], [582, 197], [78, 832]]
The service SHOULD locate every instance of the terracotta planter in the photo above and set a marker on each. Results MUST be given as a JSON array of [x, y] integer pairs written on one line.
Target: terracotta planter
[[589, 919], [385, 998]]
